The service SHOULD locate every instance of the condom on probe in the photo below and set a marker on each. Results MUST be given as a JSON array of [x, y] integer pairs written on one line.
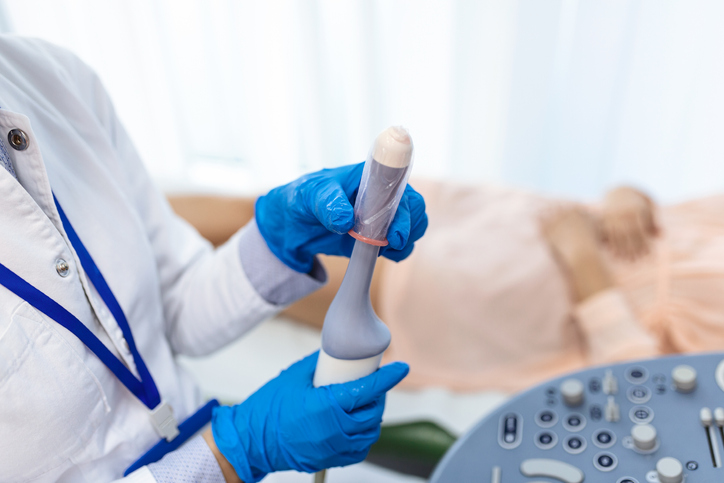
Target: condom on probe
[[383, 182]]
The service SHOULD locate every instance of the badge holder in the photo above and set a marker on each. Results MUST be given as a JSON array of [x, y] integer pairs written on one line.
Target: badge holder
[[164, 422]]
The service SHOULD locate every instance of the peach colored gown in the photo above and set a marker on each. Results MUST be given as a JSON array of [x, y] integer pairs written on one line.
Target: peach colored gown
[[482, 304]]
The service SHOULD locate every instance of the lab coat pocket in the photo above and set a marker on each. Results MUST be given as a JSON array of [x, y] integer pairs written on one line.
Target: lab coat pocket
[[50, 402]]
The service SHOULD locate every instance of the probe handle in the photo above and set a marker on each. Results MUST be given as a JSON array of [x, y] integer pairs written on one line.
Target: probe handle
[[353, 337], [336, 371]]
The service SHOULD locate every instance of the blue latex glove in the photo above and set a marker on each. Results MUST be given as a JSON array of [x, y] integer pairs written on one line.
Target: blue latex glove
[[313, 214], [290, 425]]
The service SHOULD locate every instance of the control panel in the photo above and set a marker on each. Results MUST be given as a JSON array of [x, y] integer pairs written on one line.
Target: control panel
[[652, 421]]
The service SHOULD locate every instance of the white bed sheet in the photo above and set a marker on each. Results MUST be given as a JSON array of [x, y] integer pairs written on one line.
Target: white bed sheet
[[235, 372]]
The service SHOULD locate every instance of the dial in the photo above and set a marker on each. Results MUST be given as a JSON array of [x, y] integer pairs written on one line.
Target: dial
[[572, 391], [684, 378], [644, 437], [670, 470]]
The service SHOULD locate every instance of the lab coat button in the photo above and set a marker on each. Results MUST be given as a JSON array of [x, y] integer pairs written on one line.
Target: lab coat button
[[18, 139], [62, 267]]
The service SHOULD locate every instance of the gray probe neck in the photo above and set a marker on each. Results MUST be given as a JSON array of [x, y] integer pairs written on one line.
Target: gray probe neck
[[352, 330]]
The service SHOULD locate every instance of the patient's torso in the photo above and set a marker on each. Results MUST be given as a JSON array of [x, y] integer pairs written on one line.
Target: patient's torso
[[482, 304]]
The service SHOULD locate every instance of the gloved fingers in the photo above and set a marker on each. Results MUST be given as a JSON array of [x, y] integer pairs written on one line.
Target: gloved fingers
[[416, 233], [329, 204], [415, 207], [357, 442], [364, 391], [362, 441], [366, 418], [399, 231], [399, 255], [418, 215], [417, 203], [419, 229]]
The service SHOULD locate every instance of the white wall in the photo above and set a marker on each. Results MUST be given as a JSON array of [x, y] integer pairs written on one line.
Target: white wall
[[564, 96]]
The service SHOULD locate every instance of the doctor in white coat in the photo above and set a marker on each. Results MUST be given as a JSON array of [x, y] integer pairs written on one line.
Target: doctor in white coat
[[101, 285]]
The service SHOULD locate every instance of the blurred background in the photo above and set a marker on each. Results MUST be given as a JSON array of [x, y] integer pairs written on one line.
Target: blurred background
[[562, 96]]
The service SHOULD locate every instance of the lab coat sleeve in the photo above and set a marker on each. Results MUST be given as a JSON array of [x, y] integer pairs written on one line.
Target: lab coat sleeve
[[276, 283], [208, 299], [191, 463]]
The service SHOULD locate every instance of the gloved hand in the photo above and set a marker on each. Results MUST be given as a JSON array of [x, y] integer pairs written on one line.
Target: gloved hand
[[290, 425], [313, 214]]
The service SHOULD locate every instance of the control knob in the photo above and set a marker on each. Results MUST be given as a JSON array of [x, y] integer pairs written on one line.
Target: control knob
[[612, 410], [670, 470], [719, 416], [609, 383], [644, 437], [684, 378], [572, 391], [706, 417]]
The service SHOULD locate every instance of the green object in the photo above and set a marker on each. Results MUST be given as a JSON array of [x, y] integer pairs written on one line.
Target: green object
[[412, 448]]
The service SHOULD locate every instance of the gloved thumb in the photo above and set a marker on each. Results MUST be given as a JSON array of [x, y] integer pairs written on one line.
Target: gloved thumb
[[364, 391]]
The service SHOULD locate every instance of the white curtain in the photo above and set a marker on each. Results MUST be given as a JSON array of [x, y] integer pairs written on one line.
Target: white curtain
[[615, 91], [563, 96]]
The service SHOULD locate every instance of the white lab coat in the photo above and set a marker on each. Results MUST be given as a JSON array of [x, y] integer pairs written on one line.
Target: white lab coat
[[63, 415]]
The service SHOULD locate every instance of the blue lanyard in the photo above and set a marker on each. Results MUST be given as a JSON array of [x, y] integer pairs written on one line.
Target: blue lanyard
[[145, 388]]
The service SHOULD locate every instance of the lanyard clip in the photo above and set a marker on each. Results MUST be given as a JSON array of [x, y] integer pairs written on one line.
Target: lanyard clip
[[164, 422]]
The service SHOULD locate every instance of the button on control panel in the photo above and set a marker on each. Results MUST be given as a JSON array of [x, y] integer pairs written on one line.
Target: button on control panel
[[605, 462], [574, 422], [651, 421], [641, 414], [638, 394], [596, 412], [637, 375], [604, 438], [511, 430], [546, 439], [574, 444], [546, 418]]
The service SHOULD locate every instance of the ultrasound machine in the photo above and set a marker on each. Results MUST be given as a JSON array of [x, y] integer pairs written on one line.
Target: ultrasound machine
[[652, 421]]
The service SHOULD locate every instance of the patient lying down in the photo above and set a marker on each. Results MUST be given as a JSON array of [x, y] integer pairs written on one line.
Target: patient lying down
[[508, 288]]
